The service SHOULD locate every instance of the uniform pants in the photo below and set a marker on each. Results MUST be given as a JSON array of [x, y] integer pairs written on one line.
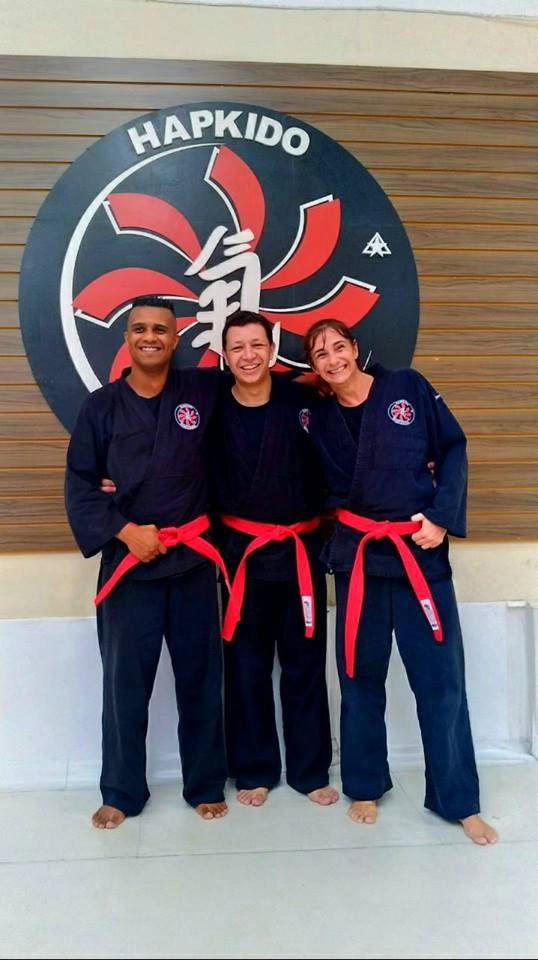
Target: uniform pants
[[436, 674], [132, 622], [271, 620]]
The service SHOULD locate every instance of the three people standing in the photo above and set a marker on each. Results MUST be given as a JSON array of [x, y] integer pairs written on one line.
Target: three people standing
[[376, 437]]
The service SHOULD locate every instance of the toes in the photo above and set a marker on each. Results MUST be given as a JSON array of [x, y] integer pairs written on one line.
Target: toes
[[478, 830], [107, 818], [324, 796], [212, 811], [363, 811], [255, 797], [259, 796]]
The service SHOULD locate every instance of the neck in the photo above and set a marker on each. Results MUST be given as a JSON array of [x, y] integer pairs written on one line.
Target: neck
[[355, 392], [252, 396], [147, 383]]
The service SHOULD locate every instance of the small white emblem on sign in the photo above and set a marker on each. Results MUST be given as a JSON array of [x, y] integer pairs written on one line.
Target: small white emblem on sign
[[376, 245]]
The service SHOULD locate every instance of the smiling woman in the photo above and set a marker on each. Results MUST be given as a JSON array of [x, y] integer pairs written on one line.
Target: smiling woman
[[375, 436]]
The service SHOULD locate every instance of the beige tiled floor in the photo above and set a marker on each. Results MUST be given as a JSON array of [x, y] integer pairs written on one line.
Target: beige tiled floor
[[288, 880]]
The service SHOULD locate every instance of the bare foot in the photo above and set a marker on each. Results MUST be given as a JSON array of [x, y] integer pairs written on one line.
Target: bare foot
[[108, 818], [254, 798], [324, 796], [478, 830], [363, 811], [212, 811]]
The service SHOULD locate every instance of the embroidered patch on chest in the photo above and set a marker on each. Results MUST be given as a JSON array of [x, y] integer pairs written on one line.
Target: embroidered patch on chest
[[187, 416], [304, 418], [401, 412]]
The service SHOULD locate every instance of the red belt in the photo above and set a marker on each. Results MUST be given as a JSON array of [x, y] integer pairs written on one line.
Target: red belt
[[265, 533], [188, 534], [375, 531]]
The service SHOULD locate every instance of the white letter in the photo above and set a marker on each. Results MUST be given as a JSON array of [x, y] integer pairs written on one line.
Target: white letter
[[264, 133], [251, 126], [173, 128], [199, 120], [223, 123], [139, 139], [302, 146]]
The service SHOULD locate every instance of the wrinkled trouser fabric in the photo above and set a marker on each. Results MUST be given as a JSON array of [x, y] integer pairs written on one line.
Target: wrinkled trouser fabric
[[132, 622], [272, 620], [436, 674]]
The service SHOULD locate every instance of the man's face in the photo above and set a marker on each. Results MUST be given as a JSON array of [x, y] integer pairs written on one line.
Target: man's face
[[248, 353], [151, 337]]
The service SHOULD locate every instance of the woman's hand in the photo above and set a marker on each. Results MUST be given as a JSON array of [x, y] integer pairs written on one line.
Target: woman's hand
[[430, 534]]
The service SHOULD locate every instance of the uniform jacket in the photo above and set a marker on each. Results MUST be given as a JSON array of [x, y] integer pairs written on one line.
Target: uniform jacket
[[285, 486], [159, 466], [384, 476]]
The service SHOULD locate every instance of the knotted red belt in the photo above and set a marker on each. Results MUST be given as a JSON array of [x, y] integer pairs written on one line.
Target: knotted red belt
[[375, 530], [188, 534], [265, 533]]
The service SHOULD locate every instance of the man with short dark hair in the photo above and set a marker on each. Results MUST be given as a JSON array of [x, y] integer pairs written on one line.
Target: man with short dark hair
[[148, 430], [268, 490]]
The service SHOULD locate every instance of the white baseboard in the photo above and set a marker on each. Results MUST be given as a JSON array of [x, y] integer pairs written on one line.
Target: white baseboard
[[50, 692]]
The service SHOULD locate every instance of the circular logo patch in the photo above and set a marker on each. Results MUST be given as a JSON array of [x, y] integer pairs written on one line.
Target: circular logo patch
[[187, 416], [401, 412], [216, 206], [304, 418]]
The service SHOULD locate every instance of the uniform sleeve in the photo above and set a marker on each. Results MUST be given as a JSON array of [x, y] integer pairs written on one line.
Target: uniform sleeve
[[92, 514], [448, 451]]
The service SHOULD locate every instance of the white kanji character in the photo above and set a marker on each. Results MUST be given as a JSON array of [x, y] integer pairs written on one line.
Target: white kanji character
[[219, 294]]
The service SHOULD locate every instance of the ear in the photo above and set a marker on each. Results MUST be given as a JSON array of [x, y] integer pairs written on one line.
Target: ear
[[275, 344]]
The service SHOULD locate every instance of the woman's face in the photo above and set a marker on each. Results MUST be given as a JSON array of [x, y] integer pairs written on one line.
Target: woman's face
[[334, 358]]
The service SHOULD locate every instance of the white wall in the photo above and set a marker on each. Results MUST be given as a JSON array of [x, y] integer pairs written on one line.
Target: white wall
[[136, 28]]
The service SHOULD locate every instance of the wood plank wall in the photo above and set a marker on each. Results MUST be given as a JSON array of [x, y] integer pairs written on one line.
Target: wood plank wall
[[456, 153]]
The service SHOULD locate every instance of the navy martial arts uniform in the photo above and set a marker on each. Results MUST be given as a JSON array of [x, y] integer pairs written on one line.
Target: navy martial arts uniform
[[375, 458], [155, 450], [266, 470]]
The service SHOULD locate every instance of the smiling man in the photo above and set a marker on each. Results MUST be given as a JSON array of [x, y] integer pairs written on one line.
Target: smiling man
[[152, 525], [268, 490]]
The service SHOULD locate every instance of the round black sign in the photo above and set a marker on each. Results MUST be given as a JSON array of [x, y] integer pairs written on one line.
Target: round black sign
[[216, 206]]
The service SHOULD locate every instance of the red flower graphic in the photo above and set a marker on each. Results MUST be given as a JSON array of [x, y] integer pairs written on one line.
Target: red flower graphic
[[105, 297]]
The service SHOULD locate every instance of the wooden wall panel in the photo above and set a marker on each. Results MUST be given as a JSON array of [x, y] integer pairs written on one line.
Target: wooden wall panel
[[16, 203], [454, 150], [41, 453], [32, 481], [27, 426]]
